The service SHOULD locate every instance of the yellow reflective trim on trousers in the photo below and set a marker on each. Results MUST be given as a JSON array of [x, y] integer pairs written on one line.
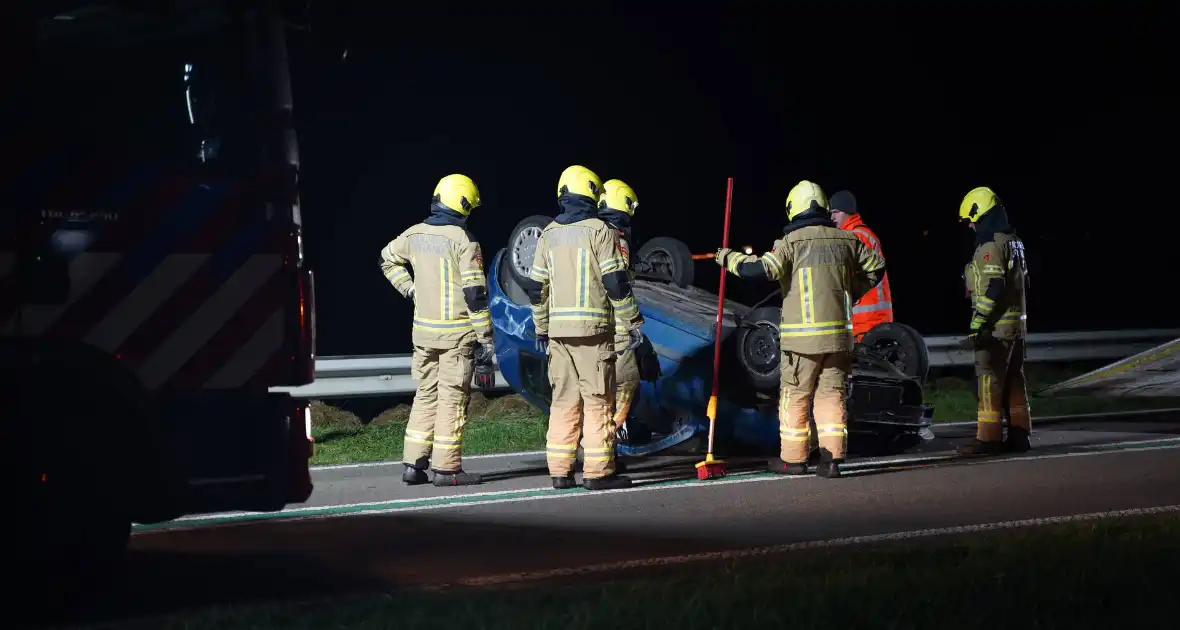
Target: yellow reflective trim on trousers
[[448, 442], [597, 454], [986, 414], [561, 451], [831, 429], [795, 435], [419, 437], [480, 316]]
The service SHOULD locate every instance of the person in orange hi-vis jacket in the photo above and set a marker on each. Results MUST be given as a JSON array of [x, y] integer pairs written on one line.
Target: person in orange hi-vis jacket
[[876, 306]]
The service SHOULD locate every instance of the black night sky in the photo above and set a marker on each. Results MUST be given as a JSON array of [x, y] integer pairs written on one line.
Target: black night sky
[[1067, 112]]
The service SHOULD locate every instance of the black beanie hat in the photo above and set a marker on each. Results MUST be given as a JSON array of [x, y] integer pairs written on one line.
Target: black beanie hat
[[843, 201]]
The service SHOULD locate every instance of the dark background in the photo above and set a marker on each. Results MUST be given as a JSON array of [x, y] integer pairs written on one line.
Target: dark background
[[1066, 113]]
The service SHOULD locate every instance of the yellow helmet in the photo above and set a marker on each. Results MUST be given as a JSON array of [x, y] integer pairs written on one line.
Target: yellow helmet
[[579, 180], [617, 195], [803, 197], [977, 203], [458, 193]]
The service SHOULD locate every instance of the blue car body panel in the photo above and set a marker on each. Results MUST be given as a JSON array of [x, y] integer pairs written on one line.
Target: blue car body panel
[[680, 323]]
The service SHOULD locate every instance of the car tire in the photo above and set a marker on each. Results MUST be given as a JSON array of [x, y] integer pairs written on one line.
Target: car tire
[[509, 285], [671, 257], [758, 347], [900, 345], [522, 244]]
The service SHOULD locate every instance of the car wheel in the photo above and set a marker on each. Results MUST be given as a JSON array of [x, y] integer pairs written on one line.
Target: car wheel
[[900, 345], [507, 280], [522, 245], [758, 347], [669, 259]]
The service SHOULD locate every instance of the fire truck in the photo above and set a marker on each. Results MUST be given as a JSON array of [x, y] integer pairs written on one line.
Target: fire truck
[[153, 287]]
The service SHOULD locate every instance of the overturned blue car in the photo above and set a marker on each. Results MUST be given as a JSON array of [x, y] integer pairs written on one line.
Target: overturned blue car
[[887, 413]]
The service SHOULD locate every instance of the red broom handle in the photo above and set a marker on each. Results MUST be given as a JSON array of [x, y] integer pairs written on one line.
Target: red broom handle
[[721, 293]]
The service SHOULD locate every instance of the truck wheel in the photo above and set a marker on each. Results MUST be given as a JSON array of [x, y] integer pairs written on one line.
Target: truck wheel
[[901, 346], [758, 347], [522, 244], [79, 522], [668, 258]]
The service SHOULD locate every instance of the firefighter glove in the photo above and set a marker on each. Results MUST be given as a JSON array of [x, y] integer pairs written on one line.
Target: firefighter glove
[[543, 344], [637, 339], [485, 351], [721, 255], [485, 376]]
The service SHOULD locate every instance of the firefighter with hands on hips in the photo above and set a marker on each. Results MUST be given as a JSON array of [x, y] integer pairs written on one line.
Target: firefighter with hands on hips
[[583, 289], [876, 306], [452, 331], [997, 279], [617, 208], [820, 269]]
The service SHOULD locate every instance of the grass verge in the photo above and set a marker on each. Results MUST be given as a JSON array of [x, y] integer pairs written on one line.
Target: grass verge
[[1097, 574], [507, 423]]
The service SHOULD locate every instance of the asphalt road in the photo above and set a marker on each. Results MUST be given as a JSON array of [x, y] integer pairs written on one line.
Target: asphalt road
[[363, 530]]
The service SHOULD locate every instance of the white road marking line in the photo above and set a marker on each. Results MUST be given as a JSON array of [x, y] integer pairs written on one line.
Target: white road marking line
[[392, 462], [935, 427], [505, 496], [645, 486], [1071, 416], [507, 578]]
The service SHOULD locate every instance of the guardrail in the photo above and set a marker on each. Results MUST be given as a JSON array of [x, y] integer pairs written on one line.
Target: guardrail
[[389, 374]]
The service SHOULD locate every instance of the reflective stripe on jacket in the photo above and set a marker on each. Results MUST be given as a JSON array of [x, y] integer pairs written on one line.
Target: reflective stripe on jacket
[[876, 306]]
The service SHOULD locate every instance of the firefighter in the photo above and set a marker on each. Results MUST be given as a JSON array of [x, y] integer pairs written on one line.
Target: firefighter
[[999, 280], [617, 207], [819, 268], [583, 288], [452, 331], [876, 306]]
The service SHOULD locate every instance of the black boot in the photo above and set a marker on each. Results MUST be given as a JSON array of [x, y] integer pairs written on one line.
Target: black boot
[[1017, 441], [456, 478], [414, 476], [830, 469], [609, 482], [779, 467], [977, 448], [564, 483]]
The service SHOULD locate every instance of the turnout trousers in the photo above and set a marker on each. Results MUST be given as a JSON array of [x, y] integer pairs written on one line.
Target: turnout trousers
[[808, 379], [582, 375], [439, 413], [626, 381], [1001, 388]]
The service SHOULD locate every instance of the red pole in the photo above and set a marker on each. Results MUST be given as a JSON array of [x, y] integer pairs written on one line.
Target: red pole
[[720, 311]]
